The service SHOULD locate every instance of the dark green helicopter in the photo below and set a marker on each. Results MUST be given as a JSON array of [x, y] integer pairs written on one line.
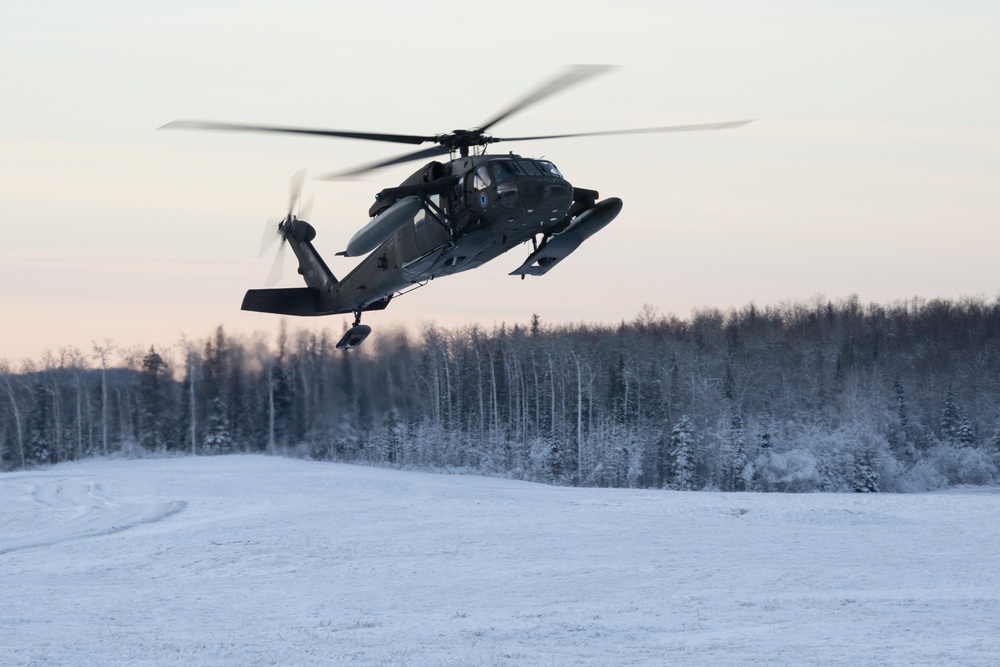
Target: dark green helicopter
[[446, 218]]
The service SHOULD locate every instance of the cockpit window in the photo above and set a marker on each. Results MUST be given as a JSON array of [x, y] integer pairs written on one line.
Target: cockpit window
[[504, 169], [529, 167], [481, 179], [548, 168]]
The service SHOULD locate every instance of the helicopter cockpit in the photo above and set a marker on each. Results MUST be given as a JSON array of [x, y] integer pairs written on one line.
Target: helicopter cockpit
[[519, 188]]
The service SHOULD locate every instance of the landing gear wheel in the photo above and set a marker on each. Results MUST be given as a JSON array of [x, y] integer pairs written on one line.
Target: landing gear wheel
[[355, 335]]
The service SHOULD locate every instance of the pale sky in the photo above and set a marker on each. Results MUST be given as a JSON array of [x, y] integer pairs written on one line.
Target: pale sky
[[874, 167]]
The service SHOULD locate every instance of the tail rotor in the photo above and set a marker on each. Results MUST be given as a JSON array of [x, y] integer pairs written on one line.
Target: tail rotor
[[280, 230]]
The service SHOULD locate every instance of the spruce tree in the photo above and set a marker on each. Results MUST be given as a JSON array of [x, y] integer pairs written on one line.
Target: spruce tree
[[682, 455], [951, 420], [38, 444], [900, 438], [218, 435], [966, 435], [736, 456], [865, 476], [154, 402], [554, 468]]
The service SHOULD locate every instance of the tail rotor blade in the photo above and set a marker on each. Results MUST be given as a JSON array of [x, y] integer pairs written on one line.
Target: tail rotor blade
[[269, 237], [278, 267], [295, 189], [277, 230], [305, 211]]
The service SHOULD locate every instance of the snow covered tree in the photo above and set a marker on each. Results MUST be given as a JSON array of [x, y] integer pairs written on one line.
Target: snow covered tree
[[660, 461], [902, 407], [190, 414], [682, 455], [218, 434], [38, 444], [966, 437], [555, 469], [865, 477], [951, 420], [900, 437], [734, 456], [102, 352], [764, 431], [279, 404], [618, 464], [155, 402], [393, 436], [18, 456]]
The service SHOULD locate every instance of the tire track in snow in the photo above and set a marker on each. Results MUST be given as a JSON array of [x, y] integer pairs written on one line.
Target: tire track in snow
[[84, 513]]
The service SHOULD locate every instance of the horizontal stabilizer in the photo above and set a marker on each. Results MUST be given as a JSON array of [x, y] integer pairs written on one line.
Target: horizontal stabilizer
[[301, 301]]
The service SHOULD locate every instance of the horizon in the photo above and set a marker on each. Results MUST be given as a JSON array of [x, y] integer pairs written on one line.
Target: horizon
[[122, 352]]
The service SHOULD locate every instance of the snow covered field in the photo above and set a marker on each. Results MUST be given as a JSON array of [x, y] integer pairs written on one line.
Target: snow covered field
[[247, 560]]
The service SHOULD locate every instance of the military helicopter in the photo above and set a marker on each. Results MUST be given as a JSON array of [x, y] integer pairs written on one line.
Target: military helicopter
[[447, 217]]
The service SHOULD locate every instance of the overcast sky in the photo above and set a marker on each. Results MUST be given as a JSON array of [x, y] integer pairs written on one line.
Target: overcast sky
[[874, 167]]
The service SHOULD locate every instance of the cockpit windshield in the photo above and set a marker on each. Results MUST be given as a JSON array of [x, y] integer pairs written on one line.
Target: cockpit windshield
[[505, 169], [548, 168]]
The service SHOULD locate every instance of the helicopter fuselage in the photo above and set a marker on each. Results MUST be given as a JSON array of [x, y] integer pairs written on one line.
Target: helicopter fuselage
[[476, 208]]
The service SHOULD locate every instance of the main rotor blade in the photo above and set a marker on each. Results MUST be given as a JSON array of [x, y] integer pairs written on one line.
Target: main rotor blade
[[646, 130], [370, 136], [419, 155], [572, 76]]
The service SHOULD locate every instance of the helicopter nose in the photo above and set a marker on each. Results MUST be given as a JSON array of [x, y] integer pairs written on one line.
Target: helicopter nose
[[546, 195], [557, 191]]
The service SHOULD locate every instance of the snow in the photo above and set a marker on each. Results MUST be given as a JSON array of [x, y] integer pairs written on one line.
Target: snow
[[250, 560]]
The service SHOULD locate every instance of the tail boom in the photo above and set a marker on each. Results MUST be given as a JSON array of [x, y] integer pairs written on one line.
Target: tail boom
[[319, 297]]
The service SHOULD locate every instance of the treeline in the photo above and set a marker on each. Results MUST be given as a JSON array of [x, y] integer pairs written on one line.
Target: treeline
[[817, 396]]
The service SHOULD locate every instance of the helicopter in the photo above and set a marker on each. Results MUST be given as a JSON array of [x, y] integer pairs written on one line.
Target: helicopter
[[447, 217]]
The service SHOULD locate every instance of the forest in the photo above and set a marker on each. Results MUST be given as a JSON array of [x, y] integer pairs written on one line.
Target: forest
[[816, 396]]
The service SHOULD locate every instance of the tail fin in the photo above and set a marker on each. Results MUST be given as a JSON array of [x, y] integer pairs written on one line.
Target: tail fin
[[311, 266], [303, 301]]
